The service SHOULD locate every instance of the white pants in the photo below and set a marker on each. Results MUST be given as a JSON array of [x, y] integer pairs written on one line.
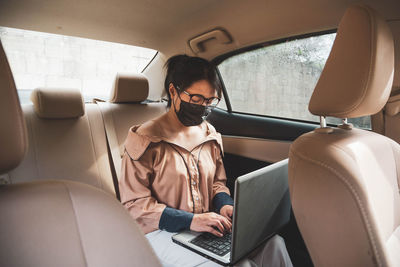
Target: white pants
[[272, 253]]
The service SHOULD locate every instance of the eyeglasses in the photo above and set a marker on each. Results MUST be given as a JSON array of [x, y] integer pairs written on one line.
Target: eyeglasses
[[200, 100]]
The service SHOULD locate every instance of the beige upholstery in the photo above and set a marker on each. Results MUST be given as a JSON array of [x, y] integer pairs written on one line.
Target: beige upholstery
[[64, 223], [392, 107], [345, 196], [134, 89], [13, 130], [344, 183], [59, 223], [55, 103], [130, 88], [387, 121], [119, 116], [126, 115], [71, 149], [362, 57]]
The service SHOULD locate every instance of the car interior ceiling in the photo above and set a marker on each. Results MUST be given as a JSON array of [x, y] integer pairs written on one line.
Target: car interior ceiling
[[169, 27]]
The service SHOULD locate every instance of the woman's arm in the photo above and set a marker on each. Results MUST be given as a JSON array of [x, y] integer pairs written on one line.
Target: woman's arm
[[221, 194], [144, 208]]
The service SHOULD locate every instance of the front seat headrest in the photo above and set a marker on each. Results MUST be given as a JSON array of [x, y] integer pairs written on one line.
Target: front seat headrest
[[13, 136], [130, 88], [358, 75], [57, 103]]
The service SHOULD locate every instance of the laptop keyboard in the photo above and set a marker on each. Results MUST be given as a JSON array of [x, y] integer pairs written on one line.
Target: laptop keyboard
[[214, 244]]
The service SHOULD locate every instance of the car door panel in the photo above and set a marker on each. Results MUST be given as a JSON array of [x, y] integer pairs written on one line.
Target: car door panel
[[266, 150]]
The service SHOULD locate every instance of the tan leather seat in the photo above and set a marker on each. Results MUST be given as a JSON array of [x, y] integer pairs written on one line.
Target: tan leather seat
[[58, 223], [344, 182], [127, 107], [66, 140]]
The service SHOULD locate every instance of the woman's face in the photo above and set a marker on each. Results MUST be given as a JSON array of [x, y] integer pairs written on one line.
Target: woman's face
[[202, 87]]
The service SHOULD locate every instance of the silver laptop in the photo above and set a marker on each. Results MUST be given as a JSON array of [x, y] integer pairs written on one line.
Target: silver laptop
[[262, 207]]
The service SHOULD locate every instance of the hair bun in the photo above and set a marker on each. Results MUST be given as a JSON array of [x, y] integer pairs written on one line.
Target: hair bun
[[174, 61]]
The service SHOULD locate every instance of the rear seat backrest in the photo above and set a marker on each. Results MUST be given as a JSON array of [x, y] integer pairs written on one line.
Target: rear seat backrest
[[127, 108], [64, 142]]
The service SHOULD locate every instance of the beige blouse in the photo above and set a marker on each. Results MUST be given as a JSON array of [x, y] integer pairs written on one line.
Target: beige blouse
[[156, 173]]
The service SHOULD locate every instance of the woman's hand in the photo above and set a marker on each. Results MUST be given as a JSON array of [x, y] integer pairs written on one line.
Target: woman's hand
[[227, 212], [209, 222]]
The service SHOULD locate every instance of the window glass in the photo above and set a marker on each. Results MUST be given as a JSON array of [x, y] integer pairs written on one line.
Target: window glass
[[278, 80], [50, 60], [222, 103]]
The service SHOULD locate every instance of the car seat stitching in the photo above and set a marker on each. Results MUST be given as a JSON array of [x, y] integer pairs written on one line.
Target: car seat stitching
[[77, 223], [357, 197]]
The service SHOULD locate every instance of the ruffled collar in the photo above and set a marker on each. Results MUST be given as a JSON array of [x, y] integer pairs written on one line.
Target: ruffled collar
[[136, 143]]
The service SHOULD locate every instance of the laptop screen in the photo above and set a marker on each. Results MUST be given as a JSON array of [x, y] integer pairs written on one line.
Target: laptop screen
[[262, 207]]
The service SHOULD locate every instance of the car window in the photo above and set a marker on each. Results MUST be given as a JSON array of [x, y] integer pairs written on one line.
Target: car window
[[50, 60], [278, 80]]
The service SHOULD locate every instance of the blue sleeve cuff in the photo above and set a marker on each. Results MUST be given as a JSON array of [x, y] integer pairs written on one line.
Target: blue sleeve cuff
[[173, 220], [221, 199]]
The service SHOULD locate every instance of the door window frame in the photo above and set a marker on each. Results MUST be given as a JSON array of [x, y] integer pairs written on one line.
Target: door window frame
[[219, 59]]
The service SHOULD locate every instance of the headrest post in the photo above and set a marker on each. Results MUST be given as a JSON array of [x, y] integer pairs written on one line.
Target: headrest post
[[322, 121], [345, 125]]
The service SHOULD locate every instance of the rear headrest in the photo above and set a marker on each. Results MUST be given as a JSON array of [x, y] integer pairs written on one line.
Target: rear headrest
[[13, 136], [130, 88], [56, 103], [358, 74], [392, 107]]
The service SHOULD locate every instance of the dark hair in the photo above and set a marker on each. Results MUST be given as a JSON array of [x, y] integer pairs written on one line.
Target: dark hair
[[184, 70]]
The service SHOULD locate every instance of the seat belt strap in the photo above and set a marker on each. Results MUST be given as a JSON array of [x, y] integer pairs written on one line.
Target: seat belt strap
[[111, 135]]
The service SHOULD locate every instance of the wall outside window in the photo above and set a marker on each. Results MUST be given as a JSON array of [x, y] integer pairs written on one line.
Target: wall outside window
[[278, 80], [50, 60]]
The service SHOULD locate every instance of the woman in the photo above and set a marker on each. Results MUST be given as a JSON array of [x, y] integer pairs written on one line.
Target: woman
[[173, 176]]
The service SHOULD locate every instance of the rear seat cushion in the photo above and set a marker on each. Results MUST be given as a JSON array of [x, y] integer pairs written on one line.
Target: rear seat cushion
[[50, 103], [130, 88]]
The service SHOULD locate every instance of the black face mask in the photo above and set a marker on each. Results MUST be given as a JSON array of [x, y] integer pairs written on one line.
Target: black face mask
[[192, 114]]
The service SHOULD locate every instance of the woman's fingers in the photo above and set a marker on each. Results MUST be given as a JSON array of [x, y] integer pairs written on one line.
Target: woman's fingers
[[229, 218], [230, 212], [227, 212], [217, 223], [227, 224], [211, 222], [223, 224], [213, 231]]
